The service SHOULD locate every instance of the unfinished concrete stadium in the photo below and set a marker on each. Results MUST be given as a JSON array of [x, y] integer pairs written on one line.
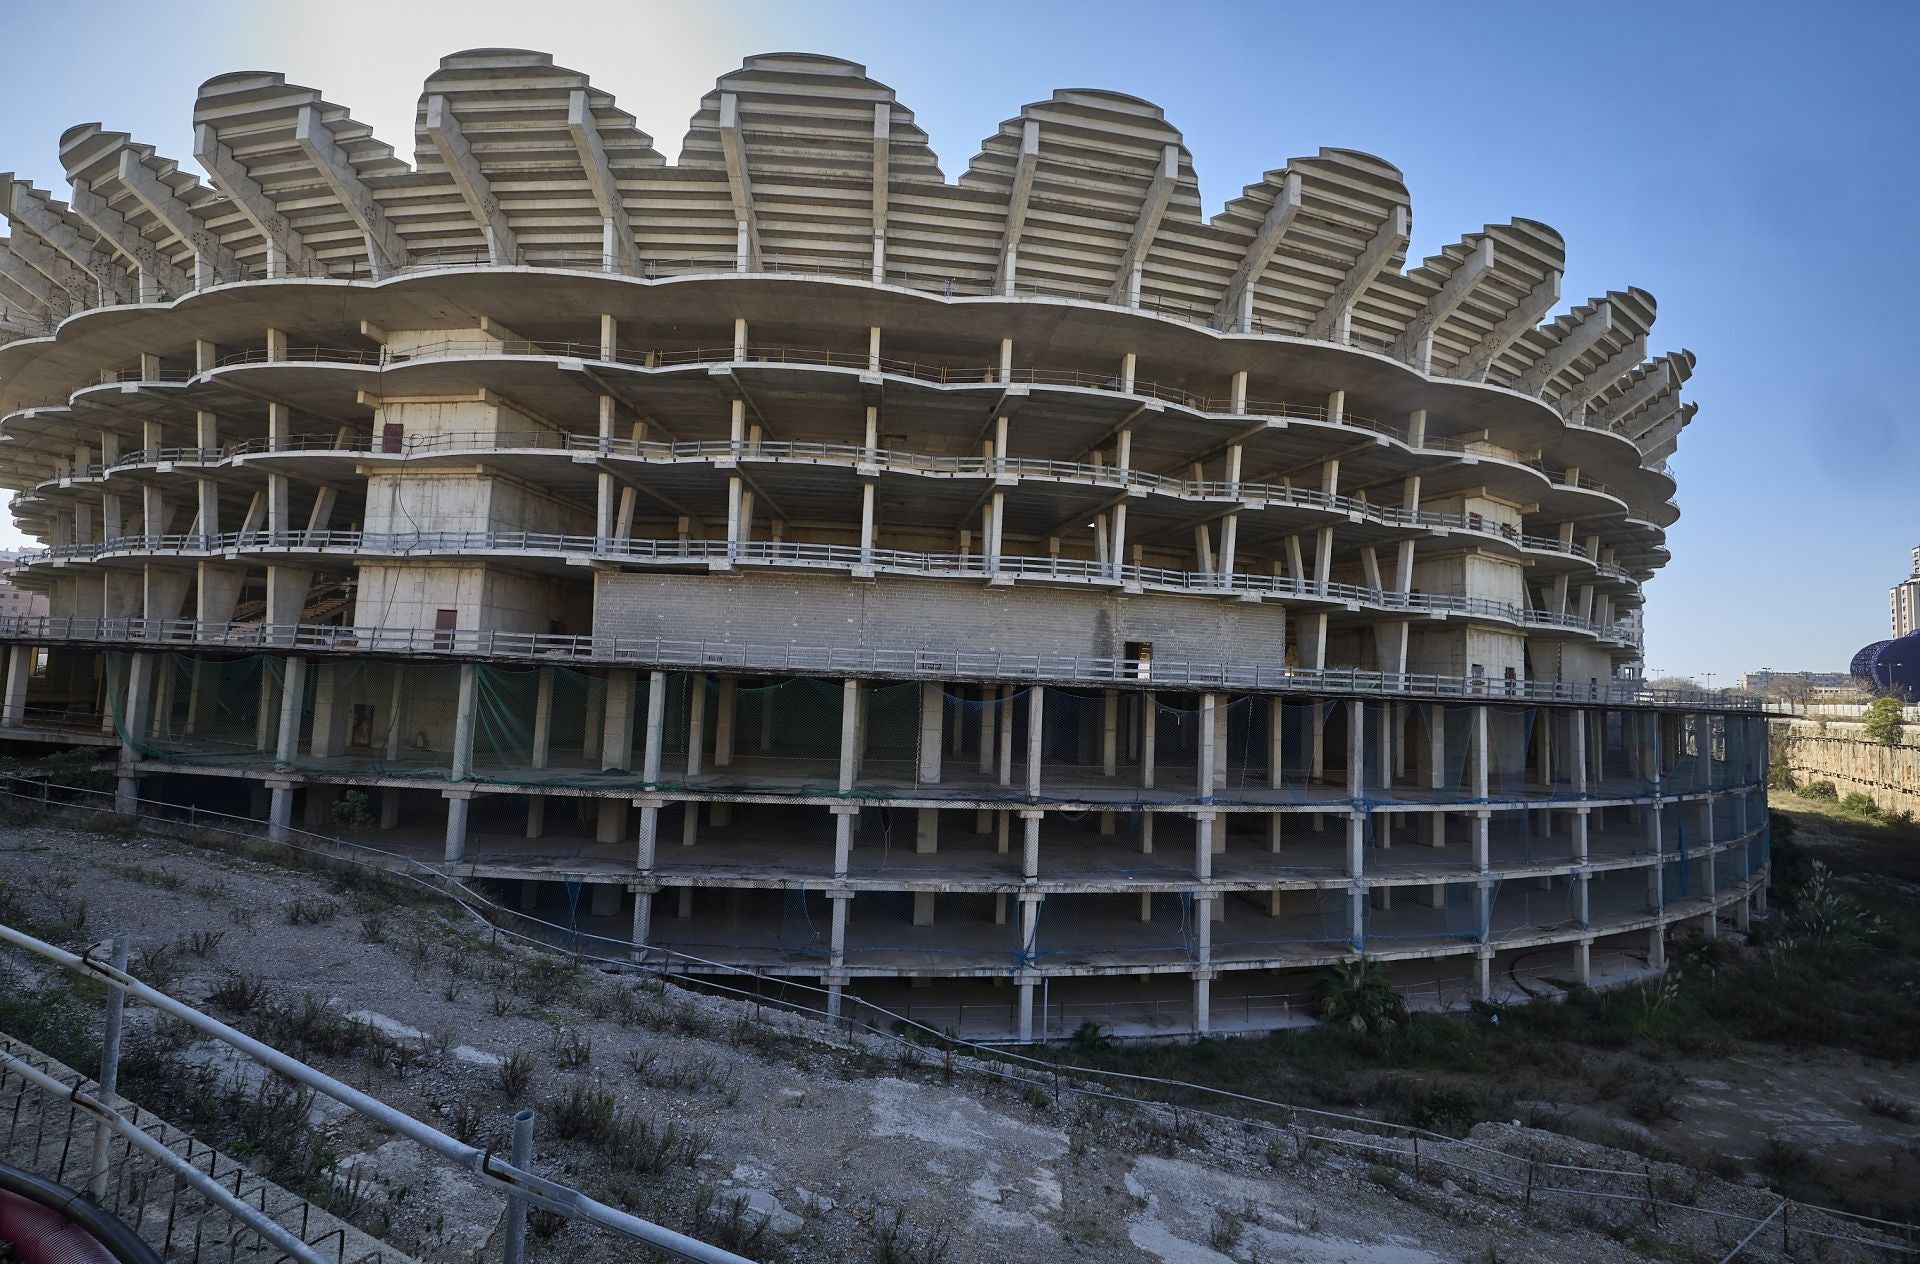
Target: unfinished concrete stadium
[[1021, 600]]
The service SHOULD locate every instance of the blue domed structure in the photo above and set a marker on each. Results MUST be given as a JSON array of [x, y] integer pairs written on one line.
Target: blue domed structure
[[1891, 667]]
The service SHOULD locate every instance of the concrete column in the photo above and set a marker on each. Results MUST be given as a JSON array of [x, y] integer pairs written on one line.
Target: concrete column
[[1580, 821], [1024, 1025], [1036, 711], [926, 834], [13, 704], [457, 802], [464, 720], [932, 728], [1110, 733], [656, 727], [844, 817], [1202, 1002], [1657, 948], [1482, 847], [1482, 773], [1030, 858], [1149, 737], [1203, 829], [849, 733], [696, 723], [989, 712], [1203, 789], [293, 698], [1483, 970], [1582, 896], [616, 745], [726, 709], [1356, 844], [1006, 735], [279, 811]]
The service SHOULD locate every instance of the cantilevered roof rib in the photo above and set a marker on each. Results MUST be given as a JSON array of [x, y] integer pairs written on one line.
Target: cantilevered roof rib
[[35, 215], [385, 250], [1574, 401], [159, 279], [1126, 281], [67, 281], [1530, 312], [1589, 323], [1236, 305], [733, 144], [286, 249], [1022, 193], [441, 126], [211, 257], [1415, 345], [1335, 320], [882, 177], [29, 283], [618, 230]]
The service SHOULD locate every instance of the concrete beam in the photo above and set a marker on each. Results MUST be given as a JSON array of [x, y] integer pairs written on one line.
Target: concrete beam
[[1584, 334], [1530, 312], [1658, 379], [1153, 207], [1017, 199], [31, 210], [443, 129], [733, 144], [882, 177], [211, 258], [1415, 343], [386, 252], [157, 272], [1336, 318], [28, 282], [1236, 304], [622, 256], [1616, 366], [286, 249]]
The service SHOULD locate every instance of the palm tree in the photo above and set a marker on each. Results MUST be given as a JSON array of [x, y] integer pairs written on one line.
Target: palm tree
[[1358, 994]]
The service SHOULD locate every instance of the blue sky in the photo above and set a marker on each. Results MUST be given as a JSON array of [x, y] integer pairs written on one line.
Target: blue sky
[[1753, 165]]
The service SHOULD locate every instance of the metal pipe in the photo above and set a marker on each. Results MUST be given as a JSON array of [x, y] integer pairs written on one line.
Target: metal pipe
[[508, 1178], [283, 1240], [109, 1077], [515, 1251]]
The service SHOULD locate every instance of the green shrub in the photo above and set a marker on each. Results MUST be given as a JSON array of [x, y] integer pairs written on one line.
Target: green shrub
[[1881, 721], [80, 769], [1822, 790], [1860, 805]]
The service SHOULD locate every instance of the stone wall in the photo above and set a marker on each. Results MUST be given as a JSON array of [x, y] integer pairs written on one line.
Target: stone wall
[[1837, 750]]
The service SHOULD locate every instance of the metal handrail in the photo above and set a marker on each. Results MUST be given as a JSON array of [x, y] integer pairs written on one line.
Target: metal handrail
[[813, 556], [791, 658], [485, 1166], [1251, 495]]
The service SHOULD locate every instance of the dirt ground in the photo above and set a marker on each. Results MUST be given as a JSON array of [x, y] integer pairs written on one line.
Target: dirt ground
[[788, 1141]]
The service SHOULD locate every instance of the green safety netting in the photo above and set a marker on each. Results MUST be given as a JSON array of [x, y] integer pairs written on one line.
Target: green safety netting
[[1438, 911]]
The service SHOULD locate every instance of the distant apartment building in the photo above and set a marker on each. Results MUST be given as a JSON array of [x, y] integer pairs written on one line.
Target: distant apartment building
[[1903, 600], [14, 600]]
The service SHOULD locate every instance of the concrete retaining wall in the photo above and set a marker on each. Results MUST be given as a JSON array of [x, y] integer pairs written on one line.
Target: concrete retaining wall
[[1839, 751]]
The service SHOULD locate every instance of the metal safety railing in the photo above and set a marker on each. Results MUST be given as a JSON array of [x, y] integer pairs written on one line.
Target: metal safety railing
[[1247, 494], [842, 557], [954, 665], [517, 1181], [1475, 444]]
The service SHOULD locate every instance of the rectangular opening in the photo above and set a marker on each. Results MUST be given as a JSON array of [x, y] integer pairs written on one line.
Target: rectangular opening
[[443, 625], [392, 436], [1139, 660]]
